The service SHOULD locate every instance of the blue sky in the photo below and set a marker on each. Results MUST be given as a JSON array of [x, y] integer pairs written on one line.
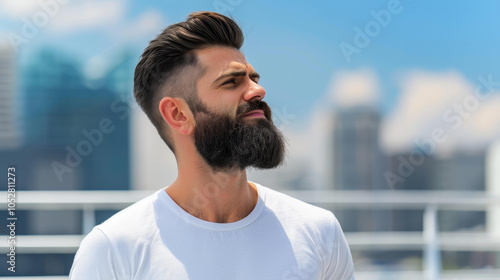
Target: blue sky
[[294, 45]]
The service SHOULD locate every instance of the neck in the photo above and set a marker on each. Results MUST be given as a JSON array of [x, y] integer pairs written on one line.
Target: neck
[[221, 197]]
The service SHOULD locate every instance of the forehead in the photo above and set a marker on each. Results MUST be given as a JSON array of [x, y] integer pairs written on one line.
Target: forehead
[[218, 60]]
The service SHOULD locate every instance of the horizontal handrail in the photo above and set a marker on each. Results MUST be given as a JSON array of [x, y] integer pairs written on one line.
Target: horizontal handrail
[[454, 200]]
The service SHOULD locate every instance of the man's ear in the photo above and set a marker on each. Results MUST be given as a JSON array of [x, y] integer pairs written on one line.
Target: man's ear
[[176, 112]]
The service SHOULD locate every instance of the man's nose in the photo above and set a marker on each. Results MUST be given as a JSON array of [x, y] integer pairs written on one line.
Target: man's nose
[[255, 91]]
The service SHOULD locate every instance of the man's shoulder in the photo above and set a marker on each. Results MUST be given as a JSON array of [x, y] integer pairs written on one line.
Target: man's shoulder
[[118, 244], [287, 207], [132, 220], [304, 223]]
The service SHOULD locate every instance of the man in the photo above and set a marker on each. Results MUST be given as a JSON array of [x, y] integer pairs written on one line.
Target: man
[[211, 223]]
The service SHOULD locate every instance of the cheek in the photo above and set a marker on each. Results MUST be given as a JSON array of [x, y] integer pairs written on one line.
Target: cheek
[[225, 105], [224, 101], [220, 109]]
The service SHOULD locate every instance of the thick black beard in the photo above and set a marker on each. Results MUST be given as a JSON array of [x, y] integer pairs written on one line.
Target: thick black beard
[[227, 142]]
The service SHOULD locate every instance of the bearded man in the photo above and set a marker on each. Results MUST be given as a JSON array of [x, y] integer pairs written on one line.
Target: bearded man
[[205, 100]]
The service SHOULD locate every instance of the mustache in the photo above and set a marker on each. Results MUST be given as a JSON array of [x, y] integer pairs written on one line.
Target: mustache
[[254, 105]]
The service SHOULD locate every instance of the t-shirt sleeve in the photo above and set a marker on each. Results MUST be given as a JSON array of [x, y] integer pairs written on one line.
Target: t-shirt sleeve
[[339, 264], [94, 259]]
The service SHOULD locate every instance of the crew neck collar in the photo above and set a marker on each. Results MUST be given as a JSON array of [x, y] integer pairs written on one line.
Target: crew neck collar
[[250, 218]]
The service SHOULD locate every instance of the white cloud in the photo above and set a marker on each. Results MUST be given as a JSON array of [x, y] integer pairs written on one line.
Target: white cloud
[[142, 29], [88, 15], [16, 9], [352, 88], [4, 46], [4, 41], [109, 17], [437, 101], [63, 17], [481, 128], [148, 23]]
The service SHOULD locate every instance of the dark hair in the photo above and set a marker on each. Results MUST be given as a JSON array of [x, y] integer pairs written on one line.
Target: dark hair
[[169, 66]]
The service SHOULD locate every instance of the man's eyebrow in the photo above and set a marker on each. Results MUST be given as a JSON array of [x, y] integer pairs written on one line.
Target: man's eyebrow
[[237, 73]]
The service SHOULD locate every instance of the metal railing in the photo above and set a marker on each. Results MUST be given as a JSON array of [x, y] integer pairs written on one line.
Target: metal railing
[[430, 240]]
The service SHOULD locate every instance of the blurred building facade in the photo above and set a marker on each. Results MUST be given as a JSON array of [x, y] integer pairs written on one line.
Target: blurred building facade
[[357, 156], [9, 118], [74, 132], [358, 163], [75, 136]]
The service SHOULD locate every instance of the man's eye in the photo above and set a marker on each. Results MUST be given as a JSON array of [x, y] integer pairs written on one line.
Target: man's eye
[[231, 81]]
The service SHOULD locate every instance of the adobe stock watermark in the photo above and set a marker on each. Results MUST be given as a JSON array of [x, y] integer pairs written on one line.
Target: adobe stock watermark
[[92, 139], [12, 219], [223, 6], [282, 118], [31, 26], [363, 36], [454, 115]]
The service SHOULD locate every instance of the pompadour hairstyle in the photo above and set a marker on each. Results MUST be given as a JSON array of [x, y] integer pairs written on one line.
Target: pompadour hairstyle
[[169, 66]]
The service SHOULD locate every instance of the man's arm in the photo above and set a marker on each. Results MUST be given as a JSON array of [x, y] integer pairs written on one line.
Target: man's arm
[[95, 259], [339, 264]]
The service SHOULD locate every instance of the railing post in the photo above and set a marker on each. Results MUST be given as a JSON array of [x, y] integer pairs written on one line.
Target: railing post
[[432, 252], [88, 220], [493, 189]]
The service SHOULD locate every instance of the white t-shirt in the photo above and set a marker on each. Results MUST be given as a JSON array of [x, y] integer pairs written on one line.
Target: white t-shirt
[[281, 239]]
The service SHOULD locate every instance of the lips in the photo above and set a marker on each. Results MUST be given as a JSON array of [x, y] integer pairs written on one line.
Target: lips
[[255, 113]]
